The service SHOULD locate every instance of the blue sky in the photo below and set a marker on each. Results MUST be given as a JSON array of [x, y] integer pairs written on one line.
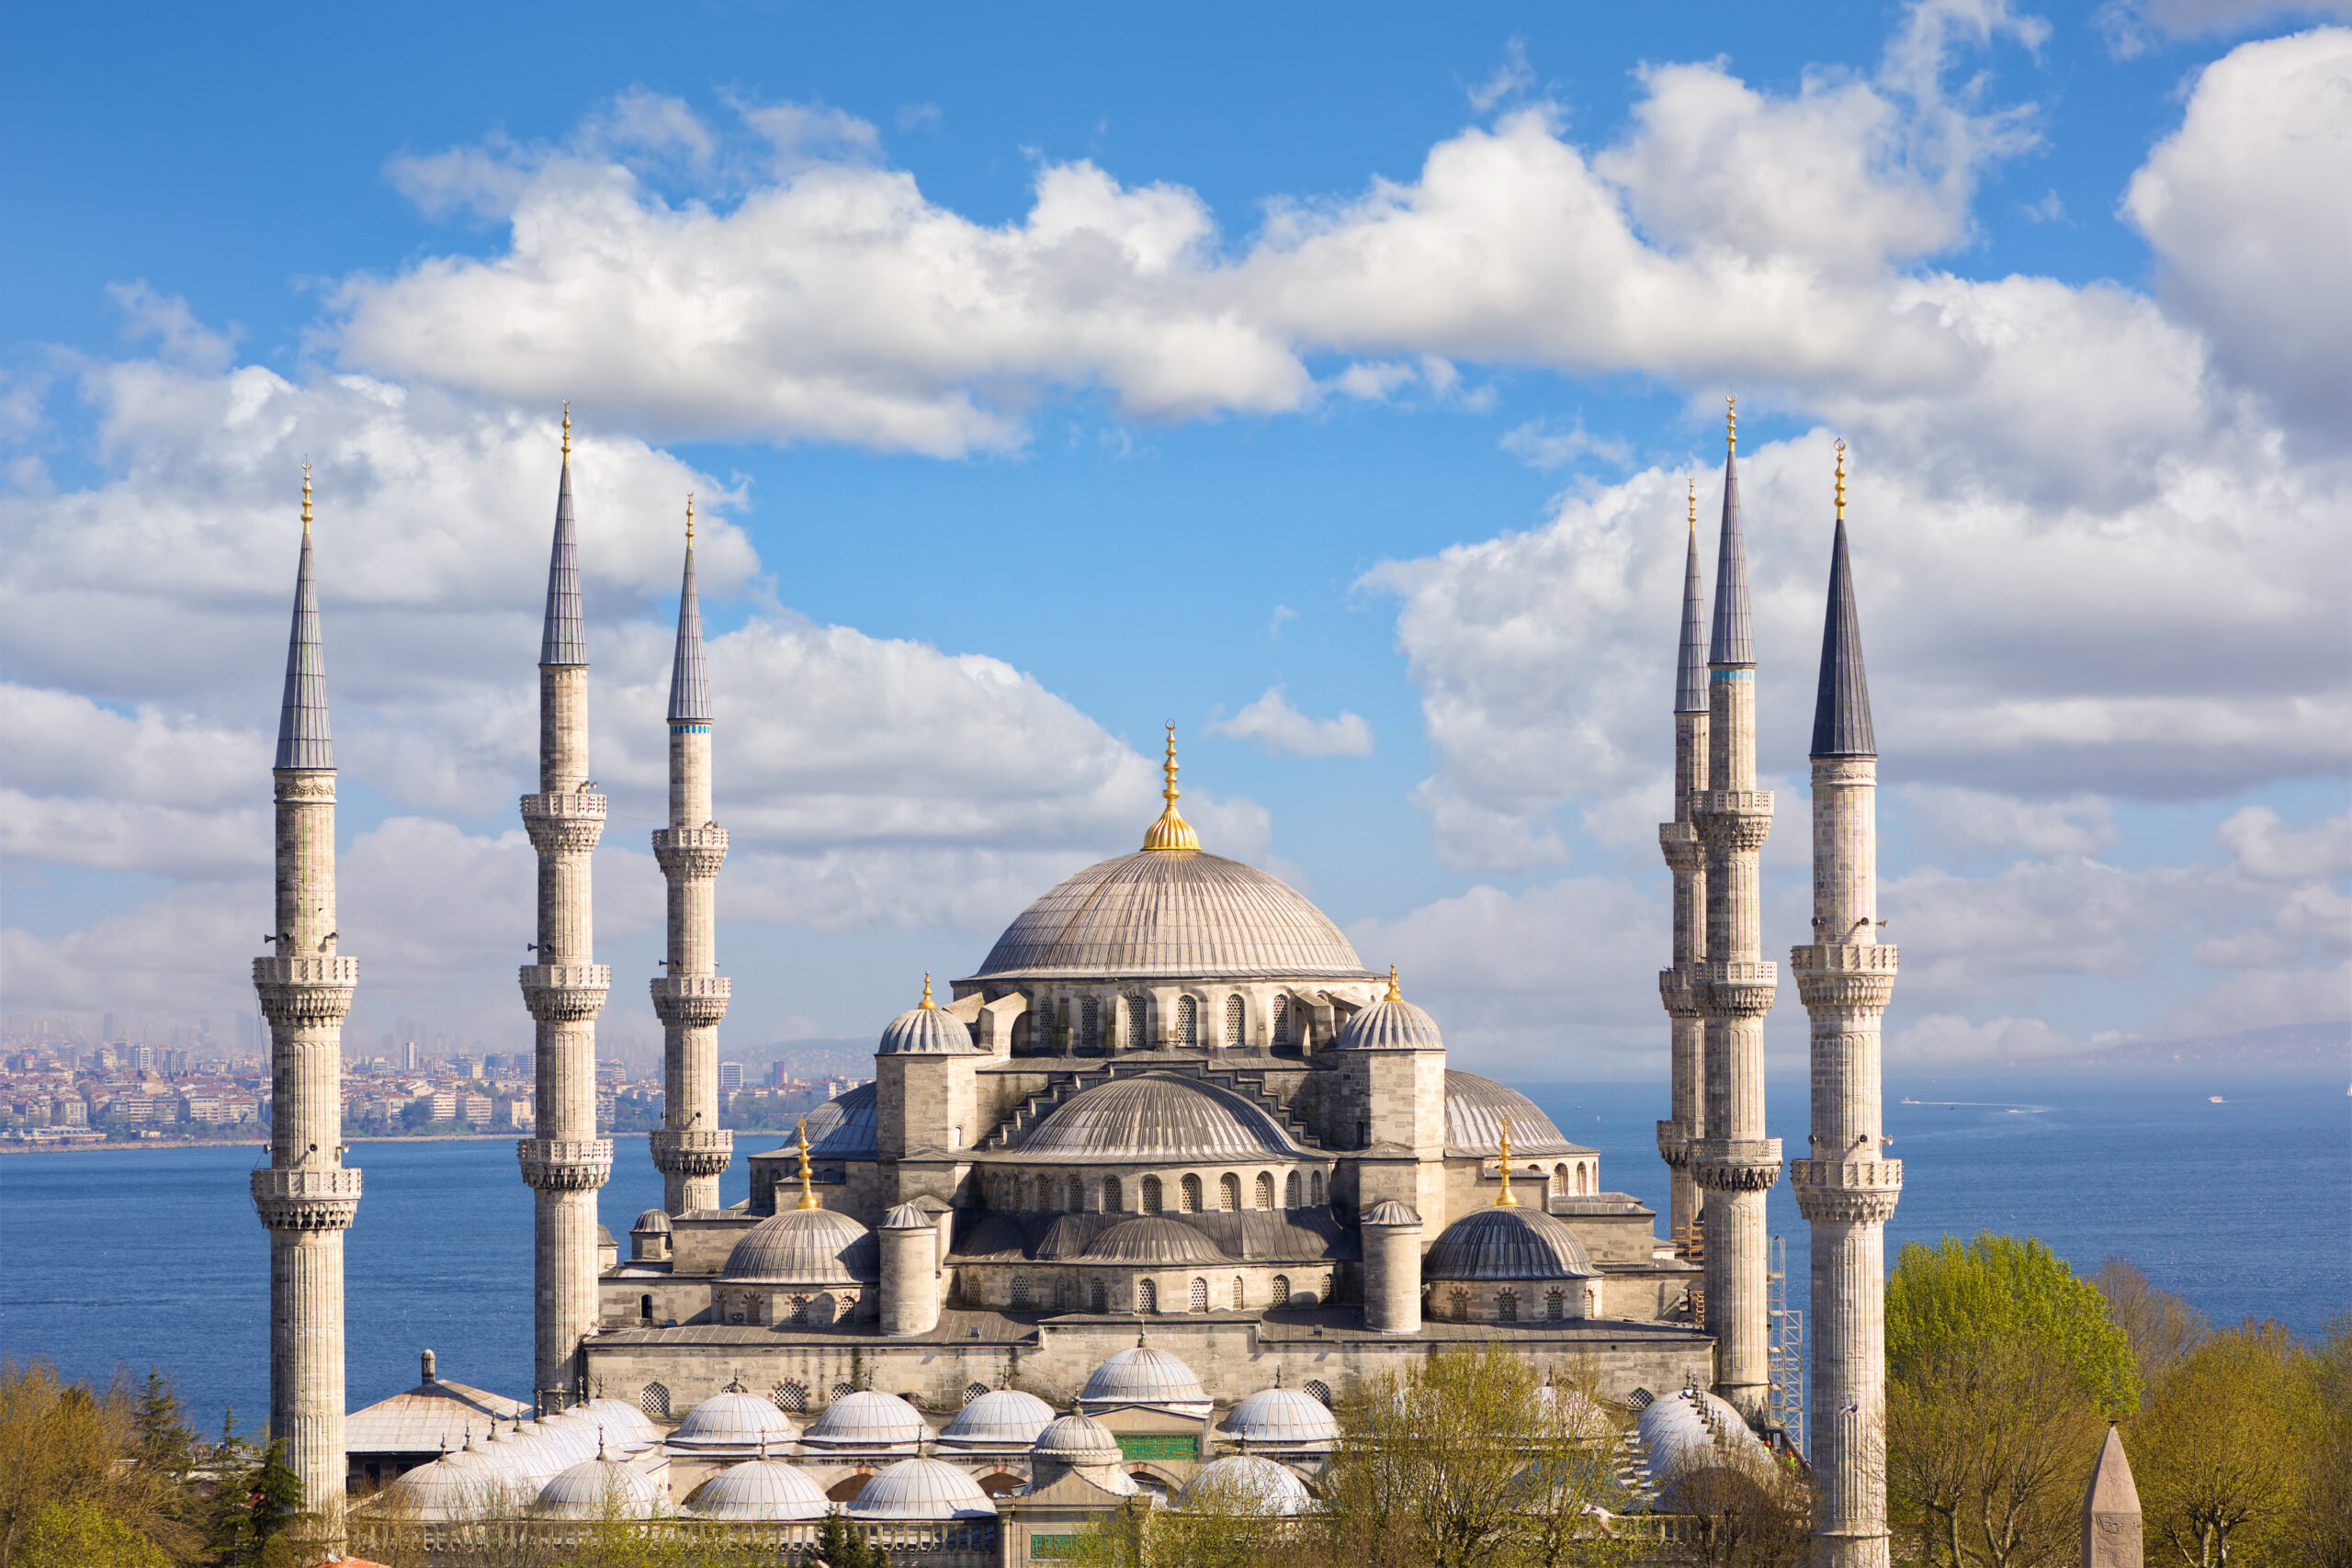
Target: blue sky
[[1334, 377]]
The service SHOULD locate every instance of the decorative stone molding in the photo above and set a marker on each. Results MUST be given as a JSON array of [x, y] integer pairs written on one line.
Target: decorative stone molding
[[1678, 841], [1840, 1206], [690, 1002], [1732, 987], [1738, 819], [324, 1198], [303, 785], [1736, 1165], [693, 1153], [305, 993], [565, 1165], [1855, 977], [1674, 1145], [561, 823], [691, 854], [565, 993], [1849, 1175], [1675, 989]]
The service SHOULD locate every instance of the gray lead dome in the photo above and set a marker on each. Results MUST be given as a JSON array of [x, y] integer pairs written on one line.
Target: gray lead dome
[[1157, 1117], [1507, 1244]]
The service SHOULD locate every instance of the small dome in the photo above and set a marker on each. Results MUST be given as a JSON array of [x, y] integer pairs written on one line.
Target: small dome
[[569, 1432], [733, 1420], [628, 1426], [866, 1420], [1392, 1023], [463, 1485], [1142, 1375], [1282, 1416], [806, 1246], [1076, 1439], [1152, 1118], [1474, 1108], [843, 1128], [763, 1490], [922, 1489], [1247, 1483], [604, 1237], [1388, 1212], [1689, 1430], [1153, 1239], [1507, 1244], [650, 1221], [601, 1489], [925, 1030], [999, 1415], [909, 1218], [532, 1457]]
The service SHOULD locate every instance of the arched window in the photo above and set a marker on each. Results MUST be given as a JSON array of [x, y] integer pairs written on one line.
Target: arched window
[[1021, 1293], [1139, 1023], [842, 1390], [1188, 1022], [1228, 1194], [1237, 1294], [1506, 1306], [1233, 1015], [645, 1306], [1151, 1194], [1098, 1300], [1112, 1202], [1200, 1295], [654, 1400], [1584, 1180], [1190, 1187], [791, 1396], [1555, 1306], [1321, 1390], [1459, 1301], [1265, 1190], [825, 1309], [1290, 1192], [1148, 1295], [800, 1312], [1074, 1195], [1090, 1022], [1281, 1021], [1314, 1188], [1326, 1289], [974, 1391], [1560, 1179]]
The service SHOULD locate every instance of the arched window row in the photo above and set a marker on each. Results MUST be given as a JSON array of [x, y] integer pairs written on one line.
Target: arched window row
[[1139, 1020], [1193, 1192]]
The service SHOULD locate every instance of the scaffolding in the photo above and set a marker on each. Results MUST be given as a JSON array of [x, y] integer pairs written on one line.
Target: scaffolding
[[1784, 1351]]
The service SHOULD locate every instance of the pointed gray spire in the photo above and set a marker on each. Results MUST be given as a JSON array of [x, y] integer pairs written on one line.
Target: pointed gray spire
[[1732, 643], [1841, 706], [689, 684], [303, 741], [1690, 669], [563, 641]]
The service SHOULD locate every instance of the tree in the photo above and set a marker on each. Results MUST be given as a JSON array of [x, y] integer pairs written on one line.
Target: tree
[[1745, 1513], [2219, 1452], [69, 1444], [2160, 1327], [83, 1535], [2323, 1515]]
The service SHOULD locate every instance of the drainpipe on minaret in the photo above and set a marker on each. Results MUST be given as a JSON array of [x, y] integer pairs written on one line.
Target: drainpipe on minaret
[[1679, 842], [691, 1150], [306, 1197], [1735, 1164], [1844, 1189], [566, 1163]]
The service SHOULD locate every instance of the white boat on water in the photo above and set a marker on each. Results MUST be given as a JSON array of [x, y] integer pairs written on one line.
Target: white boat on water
[[2215, 1100]]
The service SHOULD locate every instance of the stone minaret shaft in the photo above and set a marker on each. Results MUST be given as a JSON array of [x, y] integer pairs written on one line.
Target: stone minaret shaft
[[306, 1197], [1845, 1190], [565, 989], [1735, 1163], [691, 1150], [1680, 840]]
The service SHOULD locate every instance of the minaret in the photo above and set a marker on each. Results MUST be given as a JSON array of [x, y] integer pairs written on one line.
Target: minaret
[[565, 989], [1680, 840], [1735, 1163], [1844, 1189], [306, 1197], [691, 1150]]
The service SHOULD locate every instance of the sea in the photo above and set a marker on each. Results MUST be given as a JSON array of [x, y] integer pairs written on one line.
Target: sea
[[138, 1257]]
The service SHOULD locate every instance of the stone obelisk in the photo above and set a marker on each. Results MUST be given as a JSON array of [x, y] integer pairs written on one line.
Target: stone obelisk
[[691, 1150], [1845, 1190], [1679, 842], [306, 1196], [1735, 1164], [2111, 1510], [566, 1163]]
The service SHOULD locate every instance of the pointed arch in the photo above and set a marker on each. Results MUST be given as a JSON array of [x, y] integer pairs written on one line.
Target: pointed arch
[[1228, 1194], [1265, 1193], [1234, 1015]]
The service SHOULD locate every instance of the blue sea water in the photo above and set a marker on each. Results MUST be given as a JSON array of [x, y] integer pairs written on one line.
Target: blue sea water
[[152, 1257]]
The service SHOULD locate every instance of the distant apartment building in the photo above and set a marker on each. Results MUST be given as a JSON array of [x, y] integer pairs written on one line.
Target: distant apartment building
[[731, 1076], [476, 1110]]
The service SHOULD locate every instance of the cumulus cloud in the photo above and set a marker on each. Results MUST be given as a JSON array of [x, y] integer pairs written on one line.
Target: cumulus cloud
[[1278, 727]]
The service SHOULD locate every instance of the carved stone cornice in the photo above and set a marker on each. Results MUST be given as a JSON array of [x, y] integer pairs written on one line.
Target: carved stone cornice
[[693, 1153], [565, 1165], [1674, 1145], [1840, 976], [690, 1002], [306, 993], [1736, 1165], [308, 1198], [565, 993], [1676, 991], [1735, 987], [1733, 819], [690, 854], [563, 822], [307, 786]]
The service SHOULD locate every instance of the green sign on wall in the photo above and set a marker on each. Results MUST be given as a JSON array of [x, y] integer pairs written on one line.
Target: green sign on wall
[[1053, 1546], [1160, 1450]]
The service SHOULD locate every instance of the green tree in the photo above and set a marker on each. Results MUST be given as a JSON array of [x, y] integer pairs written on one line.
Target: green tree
[[2006, 1290], [2219, 1454], [83, 1535], [2324, 1514], [2160, 1327]]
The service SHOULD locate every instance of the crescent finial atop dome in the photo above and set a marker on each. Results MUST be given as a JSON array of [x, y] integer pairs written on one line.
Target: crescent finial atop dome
[[1172, 831]]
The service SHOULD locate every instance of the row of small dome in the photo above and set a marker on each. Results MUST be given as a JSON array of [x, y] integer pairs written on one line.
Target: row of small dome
[[1391, 1024]]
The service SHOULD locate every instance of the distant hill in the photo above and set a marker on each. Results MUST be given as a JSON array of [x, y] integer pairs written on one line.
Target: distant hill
[[2317, 1046]]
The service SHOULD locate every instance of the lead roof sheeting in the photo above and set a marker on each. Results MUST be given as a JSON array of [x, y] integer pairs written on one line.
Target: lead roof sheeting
[[562, 640], [1691, 663], [1841, 705], [1474, 1108], [1155, 1117], [689, 682], [303, 740], [1732, 643]]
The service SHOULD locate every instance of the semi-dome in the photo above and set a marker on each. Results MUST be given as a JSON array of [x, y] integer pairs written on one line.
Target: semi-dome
[[806, 1246], [463, 1485], [1153, 1239], [1076, 1439], [733, 1420], [1152, 1118], [601, 1489], [651, 1221], [762, 1491], [925, 1030], [1507, 1244], [1389, 1212], [843, 1128], [630, 1428], [1247, 1483], [1282, 1416], [867, 1419], [1143, 1375], [1002, 1416], [1474, 1108], [922, 1489], [1392, 1023]]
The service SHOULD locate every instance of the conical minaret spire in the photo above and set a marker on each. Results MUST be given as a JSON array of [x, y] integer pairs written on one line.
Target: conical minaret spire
[[692, 1151], [1844, 1189], [566, 1162], [1734, 1164], [306, 1196], [1678, 840]]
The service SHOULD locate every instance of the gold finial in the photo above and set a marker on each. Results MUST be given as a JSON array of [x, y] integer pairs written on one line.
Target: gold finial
[[1694, 506], [690, 517], [1841, 480], [927, 1004], [567, 428], [1172, 831], [1731, 423], [306, 498], [1394, 994], [1506, 1199], [808, 1198]]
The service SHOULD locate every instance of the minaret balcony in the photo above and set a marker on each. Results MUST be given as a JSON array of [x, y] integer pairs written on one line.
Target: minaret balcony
[[1674, 1145], [1678, 841], [690, 1002], [565, 1165], [1845, 976], [695, 1152], [1736, 1165], [565, 993], [307, 1198], [1852, 1191], [691, 854], [1679, 992], [1732, 803], [323, 969], [563, 821], [1732, 987]]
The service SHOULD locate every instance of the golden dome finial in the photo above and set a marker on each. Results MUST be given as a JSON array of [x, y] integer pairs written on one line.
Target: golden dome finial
[[1694, 507], [306, 498], [808, 1198], [1171, 831], [927, 1004], [1731, 423], [690, 517], [1394, 994], [567, 427], [1841, 480], [1506, 1199]]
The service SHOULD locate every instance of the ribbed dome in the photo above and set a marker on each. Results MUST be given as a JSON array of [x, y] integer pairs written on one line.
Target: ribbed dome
[[763, 1490], [652, 1220], [601, 1489], [1154, 1117], [1078, 1439], [463, 1485], [1247, 1483], [1474, 1108], [569, 1432], [843, 1128], [999, 1415], [922, 1489], [1141, 1375], [1282, 1416], [1689, 1430], [1153, 1239], [624, 1424], [925, 1031], [1388, 1212], [1160, 913], [733, 1420], [1507, 1244], [867, 1419], [1391, 1024], [909, 1218], [806, 1246]]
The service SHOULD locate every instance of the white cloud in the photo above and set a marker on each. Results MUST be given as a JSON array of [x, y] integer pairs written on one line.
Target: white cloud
[[1539, 447], [1277, 728], [1512, 77], [1971, 820]]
